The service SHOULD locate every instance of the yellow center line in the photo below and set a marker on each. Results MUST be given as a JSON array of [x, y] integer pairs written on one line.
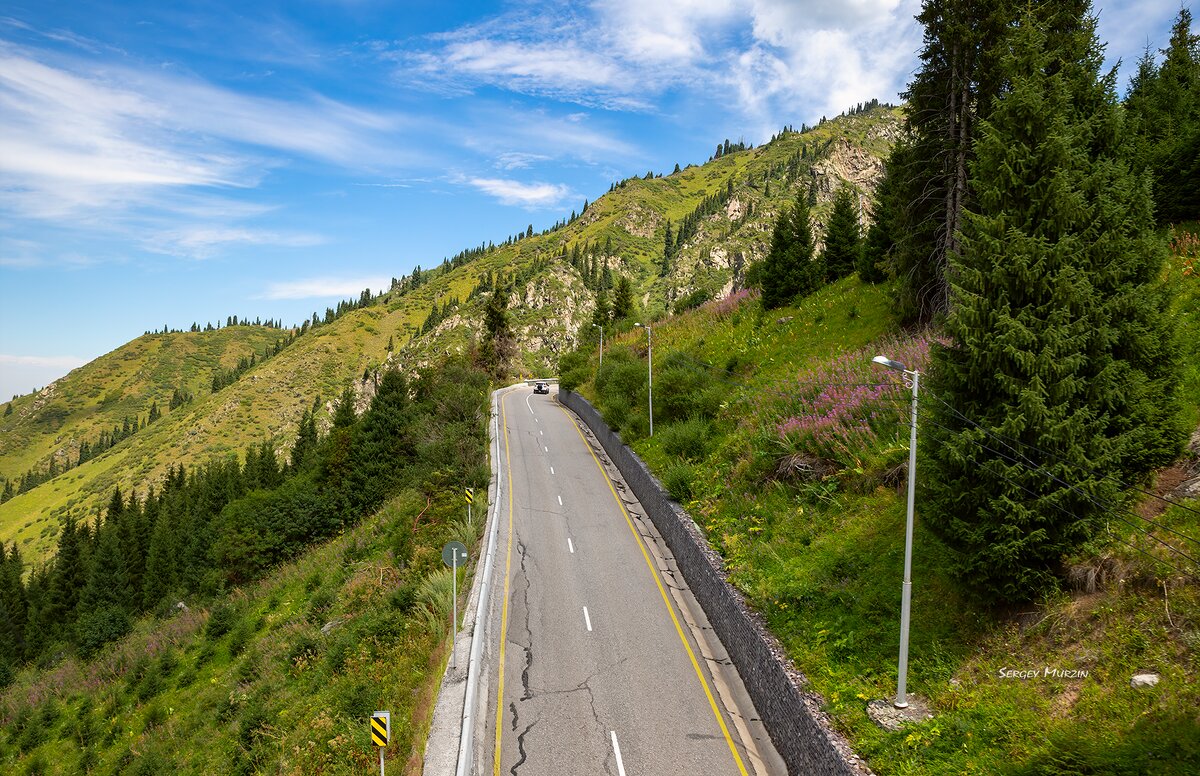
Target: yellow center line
[[504, 609], [661, 591]]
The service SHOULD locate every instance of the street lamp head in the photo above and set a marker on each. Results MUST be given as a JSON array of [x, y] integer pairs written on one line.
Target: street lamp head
[[890, 364]]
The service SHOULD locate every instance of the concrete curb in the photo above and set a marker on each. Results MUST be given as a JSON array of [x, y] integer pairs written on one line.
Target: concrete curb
[[451, 717]]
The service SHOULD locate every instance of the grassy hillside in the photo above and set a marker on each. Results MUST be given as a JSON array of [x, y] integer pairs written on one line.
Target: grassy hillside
[[769, 430], [547, 307], [255, 684]]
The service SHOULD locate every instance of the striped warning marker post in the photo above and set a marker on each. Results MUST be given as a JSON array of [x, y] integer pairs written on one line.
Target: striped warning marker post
[[381, 731]]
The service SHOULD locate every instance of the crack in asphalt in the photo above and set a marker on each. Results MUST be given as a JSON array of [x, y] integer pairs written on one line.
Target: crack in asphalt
[[520, 740], [528, 649]]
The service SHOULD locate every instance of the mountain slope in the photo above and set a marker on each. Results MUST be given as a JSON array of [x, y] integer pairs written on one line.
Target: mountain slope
[[551, 299]]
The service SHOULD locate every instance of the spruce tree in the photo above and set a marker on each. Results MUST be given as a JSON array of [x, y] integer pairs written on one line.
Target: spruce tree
[[344, 416], [622, 305], [668, 251], [843, 240], [952, 90], [876, 255], [306, 439], [14, 607], [160, 577], [789, 269], [1058, 379]]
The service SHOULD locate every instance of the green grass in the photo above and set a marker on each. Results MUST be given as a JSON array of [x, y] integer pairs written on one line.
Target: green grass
[[822, 562], [253, 684]]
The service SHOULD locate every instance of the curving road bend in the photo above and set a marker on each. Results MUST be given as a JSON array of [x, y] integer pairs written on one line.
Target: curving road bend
[[600, 661]]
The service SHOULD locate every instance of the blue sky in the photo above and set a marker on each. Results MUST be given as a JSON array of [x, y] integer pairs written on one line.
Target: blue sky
[[170, 163]]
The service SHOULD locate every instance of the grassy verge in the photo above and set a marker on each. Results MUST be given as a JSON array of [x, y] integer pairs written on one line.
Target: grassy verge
[[261, 682], [1040, 690]]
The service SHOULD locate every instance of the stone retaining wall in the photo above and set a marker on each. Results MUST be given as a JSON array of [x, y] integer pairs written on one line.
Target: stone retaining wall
[[804, 742]]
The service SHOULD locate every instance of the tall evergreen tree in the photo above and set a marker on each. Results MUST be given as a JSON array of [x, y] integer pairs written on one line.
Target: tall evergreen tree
[[498, 342], [668, 251], [952, 90], [306, 439], [344, 415], [14, 607], [789, 269], [843, 239], [1164, 107], [67, 580], [875, 259], [1059, 338], [622, 305], [161, 573]]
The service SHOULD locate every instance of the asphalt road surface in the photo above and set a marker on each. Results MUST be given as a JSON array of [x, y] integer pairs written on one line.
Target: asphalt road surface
[[602, 662]]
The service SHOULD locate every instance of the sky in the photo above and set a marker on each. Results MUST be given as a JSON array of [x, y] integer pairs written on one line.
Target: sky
[[163, 164]]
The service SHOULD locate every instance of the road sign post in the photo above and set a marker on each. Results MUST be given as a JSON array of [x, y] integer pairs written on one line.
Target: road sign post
[[453, 554], [381, 732], [470, 496]]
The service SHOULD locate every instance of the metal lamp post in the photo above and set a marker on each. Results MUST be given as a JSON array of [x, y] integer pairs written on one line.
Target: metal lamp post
[[601, 328], [901, 701], [649, 370]]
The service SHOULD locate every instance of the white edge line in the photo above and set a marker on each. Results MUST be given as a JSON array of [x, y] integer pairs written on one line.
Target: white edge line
[[467, 731], [587, 620], [617, 752]]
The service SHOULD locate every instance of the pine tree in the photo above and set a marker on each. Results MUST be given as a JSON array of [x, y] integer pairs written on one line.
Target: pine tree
[[789, 269], [344, 415], [14, 607], [1164, 104], [498, 342], [668, 251], [600, 315], [1059, 338], [622, 305], [952, 90], [843, 240], [66, 582], [876, 256], [306, 439]]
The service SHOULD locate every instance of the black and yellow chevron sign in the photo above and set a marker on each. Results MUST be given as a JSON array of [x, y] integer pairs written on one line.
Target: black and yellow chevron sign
[[470, 495], [381, 724]]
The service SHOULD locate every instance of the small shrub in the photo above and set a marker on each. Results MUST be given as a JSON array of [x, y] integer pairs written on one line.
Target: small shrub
[[304, 647], [240, 637], [155, 716], [220, 621], [99, 627], [686, 439], [678, 481], [319, 605], [404, 597]]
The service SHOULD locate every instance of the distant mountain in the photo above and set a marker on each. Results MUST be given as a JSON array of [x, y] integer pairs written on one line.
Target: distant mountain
[[720, 216]]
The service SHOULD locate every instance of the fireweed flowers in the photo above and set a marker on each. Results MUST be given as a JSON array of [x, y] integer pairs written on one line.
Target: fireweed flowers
[[844, 407]]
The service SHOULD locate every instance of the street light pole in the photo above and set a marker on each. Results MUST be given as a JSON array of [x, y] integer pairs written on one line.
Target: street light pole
[[601, 328], [649, 370], [901, 701]]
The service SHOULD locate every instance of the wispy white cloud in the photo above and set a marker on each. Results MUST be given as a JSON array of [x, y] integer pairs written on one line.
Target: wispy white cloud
[[530, 195], [201, 242], [517, 160], [80, 138], [765, 59], [325, 287]]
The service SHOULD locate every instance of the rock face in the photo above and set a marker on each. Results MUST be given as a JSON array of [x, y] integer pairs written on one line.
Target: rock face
[[850, 163]]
